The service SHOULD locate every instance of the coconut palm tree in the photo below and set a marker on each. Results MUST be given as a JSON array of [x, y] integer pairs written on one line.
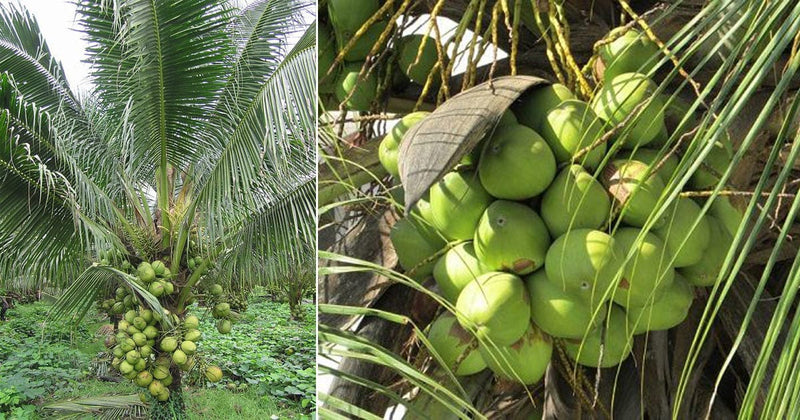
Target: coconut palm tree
[[195, 139], [729, 68]]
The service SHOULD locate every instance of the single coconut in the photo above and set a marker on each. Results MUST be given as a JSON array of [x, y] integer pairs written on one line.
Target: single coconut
[[715, 164], [620, 97], [557, 312], [347, 16], [685, 241], [648, 271], [168, 344], [511, 237], [583, 263], [705, 272], [457, 348], [496, 307], [630, 51], [665, 313], [531, 109], [457, 203], [652, 158], [355, 91], [574, 200], [213, 374], [415, 243], [416, 64], [364, 44], [158, 268], [145, 272], [571, 126], [389, 149], [516, 163], [525, 361], [603, 350], [191, 322], [456, 268], [636, 191], [224, 326]]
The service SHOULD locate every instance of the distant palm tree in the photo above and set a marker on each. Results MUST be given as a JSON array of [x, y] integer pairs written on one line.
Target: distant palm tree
[[195, 138]]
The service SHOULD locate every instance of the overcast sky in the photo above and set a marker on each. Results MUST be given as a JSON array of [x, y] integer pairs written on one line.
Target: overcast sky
[[58, 23]]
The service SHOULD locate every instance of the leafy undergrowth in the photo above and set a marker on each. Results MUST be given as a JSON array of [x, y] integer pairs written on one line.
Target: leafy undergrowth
[[40, 364], [267, 351]]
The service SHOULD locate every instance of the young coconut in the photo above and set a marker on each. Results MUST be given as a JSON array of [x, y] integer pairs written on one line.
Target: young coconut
[[598, 351], [684, 242], [556, 312], [621, 96], [532, 108], [511, 237], [705, 272], [415, 242], [635, 190], [389, 149], [416, 64], [363, 45], [665, 313], [574, 200], [652, 158], [631, 51], [647, 273], [714, 165], [457, 203], [524, 361], [356, 92], [496, 306], [451, 342], [347, 16], [456, 268], [571, 126], [583, 263], [516, 163]]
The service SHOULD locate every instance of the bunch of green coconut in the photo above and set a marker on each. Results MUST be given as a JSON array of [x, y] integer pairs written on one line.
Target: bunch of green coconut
[[147, 348], [413, 56], [538, 234]]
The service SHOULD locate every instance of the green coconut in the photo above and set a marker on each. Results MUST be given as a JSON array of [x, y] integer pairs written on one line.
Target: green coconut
[[496, 306], [156, 388], [150, 332], [356, 92], [224, 326], [191, 322], [574, 200], [125, 367], [158, 268], [140, 365], [213, 374], [215, 290], [413, 63], [652, 158], [685, 241], [728, 213], [188, 347], [168, 344], [146, 350], [193, 335], [222, 310], [451, 342], [156, 289], [598, 351], [363, 45], [620, 96], [557, 312], [415, 242], [635, 190], [179, 357], [532, 108], [143, 379], [139, 323], [389, 149], [456, 268], [139, 338], [525, 361], [631, 51], [571, 126], [347, 16], [516, 163], [705, 272], [714, 165], [145, 272], [127, 345], [457, 203], [132, 357], [647, 273], [665, 313], [511, 237], [130, 316], [583, 263]]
